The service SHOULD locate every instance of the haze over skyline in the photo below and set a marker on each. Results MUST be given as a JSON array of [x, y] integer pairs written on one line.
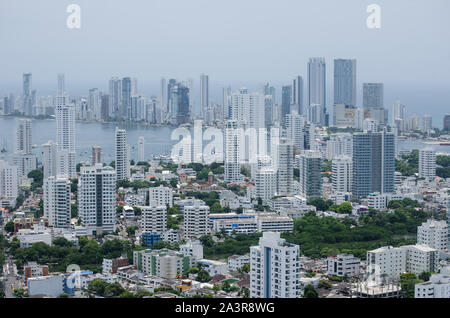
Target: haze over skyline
[[235, 42]]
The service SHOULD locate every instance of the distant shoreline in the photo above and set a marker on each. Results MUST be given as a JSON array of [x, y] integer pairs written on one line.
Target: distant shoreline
[[91, 121]]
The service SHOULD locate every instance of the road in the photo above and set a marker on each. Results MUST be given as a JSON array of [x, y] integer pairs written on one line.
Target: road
[[10, 281]]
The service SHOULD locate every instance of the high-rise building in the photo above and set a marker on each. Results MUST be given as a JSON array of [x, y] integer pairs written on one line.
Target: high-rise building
[[226, 102], [154, 219], [427, 163], [274, 268], [297, 95], [345, 82], [97, 199], [9, 186], [339, 145], [196, 218], [398, 116], [373, 163], [342, 174], [427, 124], [160, 196], [266, 183], [178, 103], [295, 128], [447, 122], [122, 155], [141, 149], [61, 84], [204, 93], [96, 155], [27, 92], [232, 153], [24, 137], [317, 89], [50, 159], [269, 108], [125, 111], [65, 136], [286, 96], [94, 103], [373, 95], [164, 105], [433, 234], [104, 112], [310, 168], [56, 199], [413, 122], [115, 97], [248, 109], [285, 167]]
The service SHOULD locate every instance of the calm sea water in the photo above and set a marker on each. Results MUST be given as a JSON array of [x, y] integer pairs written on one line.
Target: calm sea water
[[157, 139]]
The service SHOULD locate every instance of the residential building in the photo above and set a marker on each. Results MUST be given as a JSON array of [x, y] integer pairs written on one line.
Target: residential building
[[310, 168], [427, 163], [434, 234], [122, 155], [373, 163], [195, 220], [154, 219], [97, 199], [161, 195], [274, 268], [343, 265], [57, 208]]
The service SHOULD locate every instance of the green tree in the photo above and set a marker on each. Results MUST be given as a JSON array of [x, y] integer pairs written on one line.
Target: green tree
[[425, 276], [408, 282], [203, 276], [9, 227], [345, 208], [310, 292], [114, 290]]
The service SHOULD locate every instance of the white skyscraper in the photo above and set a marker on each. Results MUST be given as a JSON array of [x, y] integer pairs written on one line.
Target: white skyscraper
[[433, 234], [65, 135], [398, 116], [427, 163], [285, 168], [154, 219], [295, 127], [196, 218], [232, 153], [274, 268], [50, 159], [427, 124], [339, 145], [248, 108], [8, 180], [266, 183], [57, 201], [317, 90], [23, 137], [141, 149], [94, 103], [97, 199], [160, 196], [122, 154], [342, 174]]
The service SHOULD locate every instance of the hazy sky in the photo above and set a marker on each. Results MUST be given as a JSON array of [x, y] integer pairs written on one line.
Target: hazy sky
[[233, 41]]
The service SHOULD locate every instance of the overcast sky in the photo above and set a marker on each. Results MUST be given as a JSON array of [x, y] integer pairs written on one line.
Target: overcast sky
[[234, 41]]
